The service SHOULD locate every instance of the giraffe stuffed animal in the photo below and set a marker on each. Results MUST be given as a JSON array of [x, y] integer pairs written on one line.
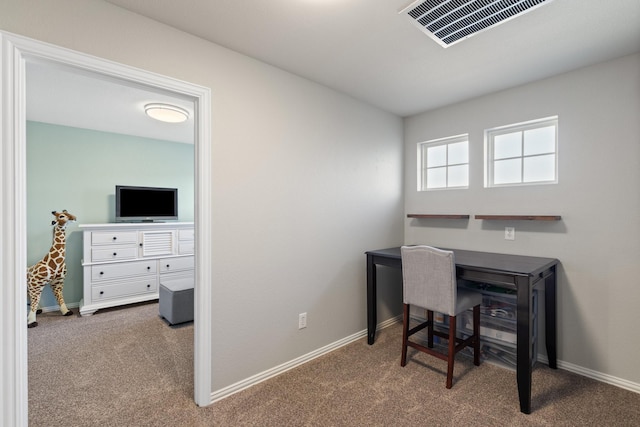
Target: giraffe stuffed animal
[[51, 269]]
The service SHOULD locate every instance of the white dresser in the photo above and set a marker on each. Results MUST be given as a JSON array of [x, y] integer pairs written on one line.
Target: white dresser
[[123, 263]]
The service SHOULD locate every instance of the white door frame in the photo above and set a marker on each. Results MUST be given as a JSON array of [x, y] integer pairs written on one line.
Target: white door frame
[[15, 52]]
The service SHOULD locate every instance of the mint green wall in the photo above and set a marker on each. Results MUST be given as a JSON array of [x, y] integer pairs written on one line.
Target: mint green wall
[[78, 169]]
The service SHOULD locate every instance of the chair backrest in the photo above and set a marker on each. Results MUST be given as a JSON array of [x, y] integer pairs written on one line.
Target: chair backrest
[[429, 278]]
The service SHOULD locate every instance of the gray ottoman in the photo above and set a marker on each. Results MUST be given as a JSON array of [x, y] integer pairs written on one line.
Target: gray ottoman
[[176, 300]]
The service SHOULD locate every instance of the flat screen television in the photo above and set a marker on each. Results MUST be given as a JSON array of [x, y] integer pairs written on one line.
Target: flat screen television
[[146, 204]]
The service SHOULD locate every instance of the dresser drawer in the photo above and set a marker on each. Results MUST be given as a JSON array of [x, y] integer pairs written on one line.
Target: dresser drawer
[[177, 275], [120, 270], [114, 253], [185, 248], [186, 234], [124, 289], [114, 237], [168, 265]]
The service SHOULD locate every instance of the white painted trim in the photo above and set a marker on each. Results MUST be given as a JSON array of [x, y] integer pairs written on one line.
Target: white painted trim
[[280, 369], [203, 339], [13, 332], [52, 308], [595, 375], [15, 52]]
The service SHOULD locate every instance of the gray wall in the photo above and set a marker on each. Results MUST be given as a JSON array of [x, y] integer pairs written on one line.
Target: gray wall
[[304, 181], [598, 196], [77, 170]]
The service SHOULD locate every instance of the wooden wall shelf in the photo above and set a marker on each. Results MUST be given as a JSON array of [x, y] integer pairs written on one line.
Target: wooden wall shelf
[[438, 216], [521, 217]]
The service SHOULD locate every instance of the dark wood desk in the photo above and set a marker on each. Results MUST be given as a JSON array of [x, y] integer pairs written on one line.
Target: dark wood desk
[[521, 273]]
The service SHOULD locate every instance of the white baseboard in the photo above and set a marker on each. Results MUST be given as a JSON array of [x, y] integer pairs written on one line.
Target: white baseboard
[[595, 375], [57, 307], [270, 373]]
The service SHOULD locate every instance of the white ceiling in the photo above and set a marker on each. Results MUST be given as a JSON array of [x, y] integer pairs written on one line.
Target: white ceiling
[[70, 97], [367, 50]]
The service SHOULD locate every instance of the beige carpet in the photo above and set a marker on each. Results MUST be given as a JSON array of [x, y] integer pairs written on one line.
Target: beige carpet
[[127, 367]]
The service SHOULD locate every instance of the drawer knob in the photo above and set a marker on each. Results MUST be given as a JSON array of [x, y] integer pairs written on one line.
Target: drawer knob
[[167, 265], [148, 267], [114, 254], [115, 238], [148, 286], [101, 273], [101, 292]]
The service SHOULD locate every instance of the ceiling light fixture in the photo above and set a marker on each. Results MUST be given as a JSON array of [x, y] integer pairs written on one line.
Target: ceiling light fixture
[[166, 113]]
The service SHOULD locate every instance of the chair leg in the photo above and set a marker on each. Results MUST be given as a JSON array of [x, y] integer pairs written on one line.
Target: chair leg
[[452, 350], [476, 334], [430, 329], [405, 334]]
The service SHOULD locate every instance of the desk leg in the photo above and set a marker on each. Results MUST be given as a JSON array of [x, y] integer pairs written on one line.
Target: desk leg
[[524, 350], [371, 301], [550, 313]]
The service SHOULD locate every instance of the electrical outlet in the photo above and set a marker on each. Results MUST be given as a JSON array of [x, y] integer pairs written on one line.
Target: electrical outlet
[[302, 320], [509, 233]]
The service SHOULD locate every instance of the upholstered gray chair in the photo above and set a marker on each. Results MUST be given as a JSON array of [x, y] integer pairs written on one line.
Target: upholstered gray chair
[[429, 282]]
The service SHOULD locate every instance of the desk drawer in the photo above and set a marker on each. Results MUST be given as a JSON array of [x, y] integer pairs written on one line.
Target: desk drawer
[[501, 307], [498, 317], [502, 330]]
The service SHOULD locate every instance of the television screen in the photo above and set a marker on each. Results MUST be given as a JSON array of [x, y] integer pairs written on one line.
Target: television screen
[[146, 203]]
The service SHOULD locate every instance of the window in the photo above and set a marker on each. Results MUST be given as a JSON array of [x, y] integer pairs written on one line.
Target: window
[[443, 163], [522, 154]]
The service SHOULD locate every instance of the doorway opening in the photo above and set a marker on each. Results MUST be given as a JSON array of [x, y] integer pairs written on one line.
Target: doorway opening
[[17, 53]]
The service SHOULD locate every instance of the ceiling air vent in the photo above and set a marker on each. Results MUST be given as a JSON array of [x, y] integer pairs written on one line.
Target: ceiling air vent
[[451, 21]]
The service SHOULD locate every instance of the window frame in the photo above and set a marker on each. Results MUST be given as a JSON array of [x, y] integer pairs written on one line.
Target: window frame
[[489, 148], [422, 183]]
